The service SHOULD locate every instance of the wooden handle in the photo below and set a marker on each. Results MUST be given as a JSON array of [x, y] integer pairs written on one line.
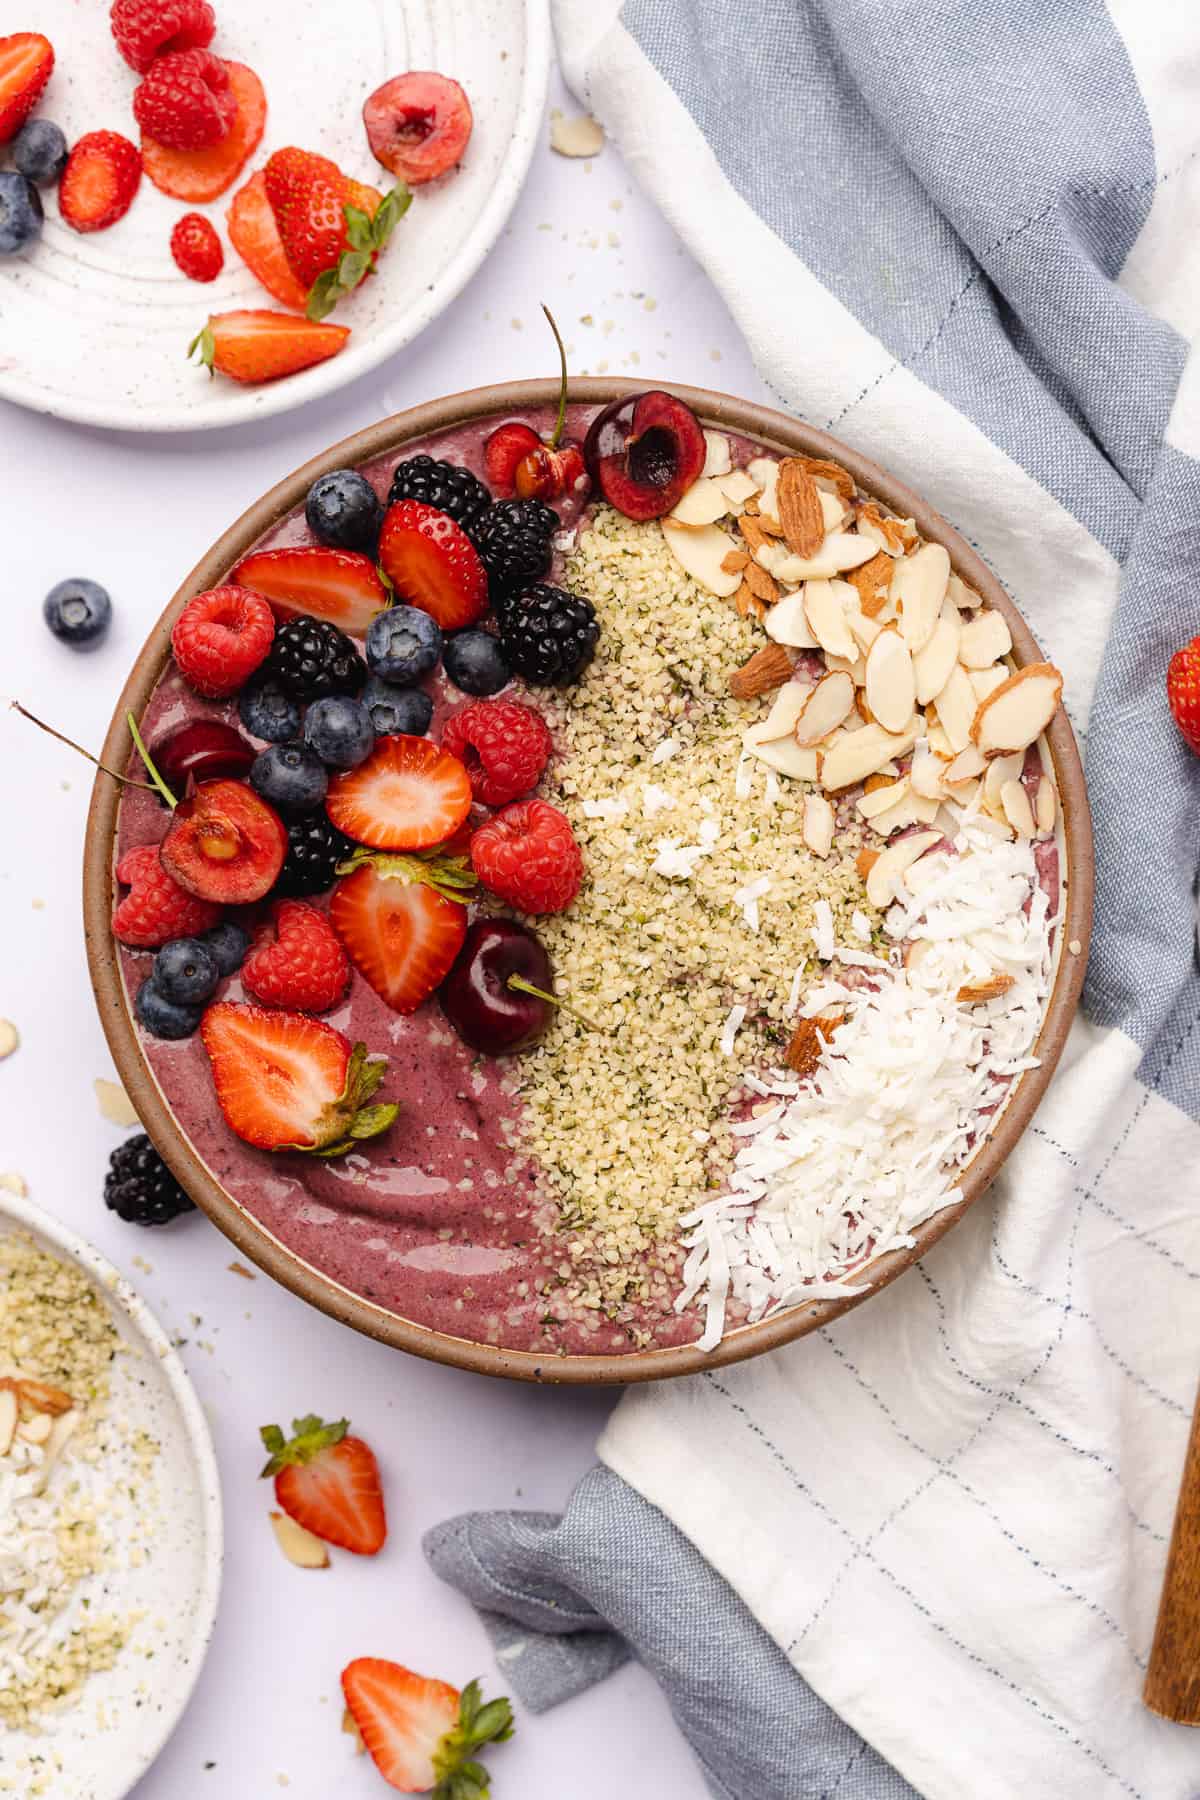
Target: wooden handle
[[1173, 1678]]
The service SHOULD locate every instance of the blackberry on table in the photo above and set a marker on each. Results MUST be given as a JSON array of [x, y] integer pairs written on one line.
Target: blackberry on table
[[140, 1188], [310, 658], [548, 635], [315, 848], [444, 485], [514, 545]]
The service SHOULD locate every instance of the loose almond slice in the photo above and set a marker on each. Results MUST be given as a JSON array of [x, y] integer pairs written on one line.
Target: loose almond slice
[[918, 590], [827, 619], [804, 1052], [825, 708], [780, 722], [873, 580], [41, 1397], [768, 669], [701, 552], [880, 799], [37, 1429], [738, 487], [1000, 770], [717, 460], [990, 988], [968, 765], [818, 824], [8, 1419], [833, 512], [764, 471], [933, 664], [298, 1545], [1017, 810], [863, 630], [784, 754], [1018, 712], [787, 622], [955, 707], [862, 753], [841, 550], [928, 773], [914, 809], [986, 681], [798, 508], [964, 597], [891, 685], [985, 639], [1045, 806], [703, 504], [887, 873], [349, 1722]]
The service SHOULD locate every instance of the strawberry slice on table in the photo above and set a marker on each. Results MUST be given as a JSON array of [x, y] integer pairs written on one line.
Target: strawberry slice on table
[[204, 174], [255, 236], [288, 1082], [432, 563], [328, 1482], [26, 62], [340, 585], [408, 795], [422, 1734], [402, 924], [262, 346]]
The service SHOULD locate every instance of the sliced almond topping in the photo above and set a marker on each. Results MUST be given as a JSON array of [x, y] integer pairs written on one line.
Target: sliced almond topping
[[933, 664], [787, 622], [764, 472], [833, 512], [915, 953], [804, 1052], [12, 1183], [1017, 810], [913, 809], [968, 765], [579, 136], [841, 550], [62, 1429], [1045, 806], [298, 1545], [964, 597], [703, 504], [872, 579], [928, 773], [747, 604], [784, 754], [753, 532], [956, 708], [717, 460], [41, 1397], [876, 800], [780, 722], [827, 619], [864, 631], [891, 535], [865, 861], [350, 1727], [735, 562], [738, 486], [986, 681], [760, 584], [822, 470], [766, 670], [862, 753], [701, 553], [818, 824], [36, 1429], [798, 508], [1019, 711], [937, 740], [8, 1419], [985, 639], [918, 590], [890, 682], [990, 988], [887, 873], [853, 666], [825, 708]]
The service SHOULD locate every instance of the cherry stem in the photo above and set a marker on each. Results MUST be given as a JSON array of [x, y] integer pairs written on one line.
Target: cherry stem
[[519, 985], [156, 779], [125, 780], [562, 381]]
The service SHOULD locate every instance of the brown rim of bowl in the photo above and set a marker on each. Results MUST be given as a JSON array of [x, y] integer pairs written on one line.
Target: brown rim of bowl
[[776, 431]]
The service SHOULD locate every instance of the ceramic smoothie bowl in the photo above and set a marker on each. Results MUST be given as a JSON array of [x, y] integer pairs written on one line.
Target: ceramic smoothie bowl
[[828, 942]]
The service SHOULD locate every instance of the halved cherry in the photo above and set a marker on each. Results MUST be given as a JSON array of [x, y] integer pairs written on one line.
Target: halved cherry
[[644, 452], [418, 125], [201, 750], [224, 843], [517, 461]]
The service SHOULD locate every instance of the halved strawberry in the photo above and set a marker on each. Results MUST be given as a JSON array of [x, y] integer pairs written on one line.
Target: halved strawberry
[[258, 345], [422, 1734], [340, 585], [400, 925], [255, 236], [288, 1082], [432, 563], [203, 174], [26, 61], [408, 795], [329, 1483], [225, 844]]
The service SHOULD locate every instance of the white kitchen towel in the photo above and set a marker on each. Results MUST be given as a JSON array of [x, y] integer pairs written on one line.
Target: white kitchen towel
[[962, 234]]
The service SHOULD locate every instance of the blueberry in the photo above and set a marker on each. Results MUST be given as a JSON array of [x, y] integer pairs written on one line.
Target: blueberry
[[78, 611], [267, 711], [475, 662], [186, 972], [40, 152], [403, 644], [339, 730], [392, 709], [343, 509], [290, 778], [162, 1017], [20, 213], [228, 943]]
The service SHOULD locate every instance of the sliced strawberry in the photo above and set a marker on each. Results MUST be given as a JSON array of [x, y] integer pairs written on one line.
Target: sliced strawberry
[[400, 929], [288, 1082], [203, 174], [432, 563], [418, 125], [340, 585], [408, 795], [225, 844], [329, 1483], [262, 346], [103, 173], [255, 236], [26, 61], [421, 1733]]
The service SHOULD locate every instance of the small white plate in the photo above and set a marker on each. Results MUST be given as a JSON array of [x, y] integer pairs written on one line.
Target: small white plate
[[103, 1745], [95, 328]]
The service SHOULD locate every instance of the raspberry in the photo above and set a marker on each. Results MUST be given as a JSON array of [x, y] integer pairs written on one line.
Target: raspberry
[[220, 638], [145, 29], [505, 746], [185, 100], [197, 248], [297, 960], [528, 856], [156, 909]]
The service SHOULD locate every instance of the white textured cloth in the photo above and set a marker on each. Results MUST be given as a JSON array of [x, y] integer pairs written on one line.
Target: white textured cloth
[[964, 240]]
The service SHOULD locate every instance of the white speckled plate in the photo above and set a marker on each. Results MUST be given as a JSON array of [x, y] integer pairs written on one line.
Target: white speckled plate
[[100, 1748], [95, 328]]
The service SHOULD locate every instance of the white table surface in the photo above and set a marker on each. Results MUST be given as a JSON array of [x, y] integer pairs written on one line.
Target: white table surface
[[135, 513]]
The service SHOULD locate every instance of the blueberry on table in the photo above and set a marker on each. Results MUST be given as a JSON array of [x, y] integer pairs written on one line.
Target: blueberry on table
[[403, 644], [78, 611], [40, 152], [474, 662], [186, 972], [228, 943], [21, 213], [268, 711], [344, 510], [339, 730], [164, 1018], [291, 777], [140, 1188], [408, 711]]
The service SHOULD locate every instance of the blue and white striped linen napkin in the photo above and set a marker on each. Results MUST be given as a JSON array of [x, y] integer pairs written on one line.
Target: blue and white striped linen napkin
[[963, 237]]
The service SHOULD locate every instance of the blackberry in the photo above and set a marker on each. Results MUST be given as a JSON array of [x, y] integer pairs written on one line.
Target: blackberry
[[310, 658], [315, 848], [444, 485], [514, 544], [140, 1188], [549, 636]]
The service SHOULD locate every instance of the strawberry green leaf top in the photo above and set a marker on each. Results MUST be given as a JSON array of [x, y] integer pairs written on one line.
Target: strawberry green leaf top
[[310, 1436], [368, 238]]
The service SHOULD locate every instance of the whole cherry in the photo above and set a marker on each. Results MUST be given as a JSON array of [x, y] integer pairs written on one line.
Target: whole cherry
[[517, 461], [478, 998]]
